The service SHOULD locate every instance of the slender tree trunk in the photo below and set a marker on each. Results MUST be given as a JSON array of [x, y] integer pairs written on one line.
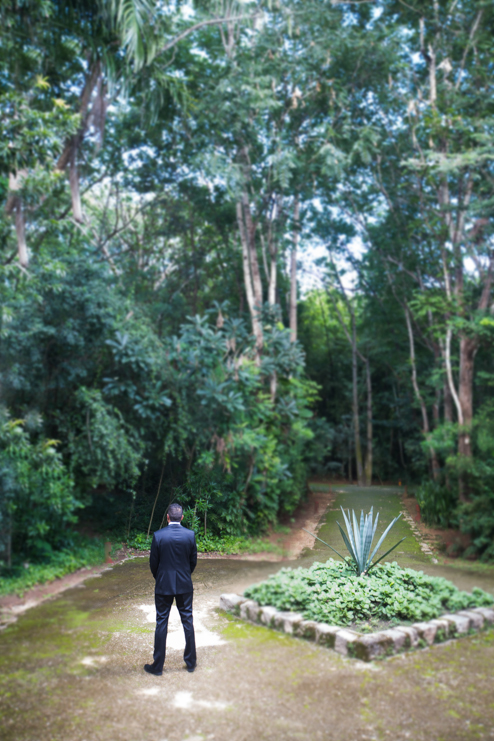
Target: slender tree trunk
[[420, 399], [369, 451], [351, 336], [74, 187], [273, 272], [468, 350], [84, 111], [21, 234], [68, 158], [248, 282], [355, 409], [156, 499], [9, 544], [293, 271], [14, 205], [350, 478], [273, 385], [448, 403]]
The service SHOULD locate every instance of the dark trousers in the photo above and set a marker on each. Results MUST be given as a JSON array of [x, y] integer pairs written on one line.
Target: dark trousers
[[164, 603]]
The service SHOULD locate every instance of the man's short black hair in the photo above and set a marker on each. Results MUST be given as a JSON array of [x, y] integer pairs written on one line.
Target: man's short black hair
[[175, 511]]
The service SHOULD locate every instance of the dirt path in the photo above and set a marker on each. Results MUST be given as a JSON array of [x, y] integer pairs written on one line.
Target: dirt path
[[71, 669]]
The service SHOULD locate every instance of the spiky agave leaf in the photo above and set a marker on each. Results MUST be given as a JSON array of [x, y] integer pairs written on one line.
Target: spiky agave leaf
[[349, 548], [368, 535], [361, 540], [349, 530], [323, 541], [356, 531], [358, 539], [383, 536], [385, 554]]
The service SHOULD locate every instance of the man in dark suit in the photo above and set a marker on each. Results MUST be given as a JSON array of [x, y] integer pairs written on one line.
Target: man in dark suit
[[172, 560]]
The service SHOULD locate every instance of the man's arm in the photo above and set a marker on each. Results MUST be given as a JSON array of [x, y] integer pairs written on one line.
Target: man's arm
[[193, 554], [154, 557]]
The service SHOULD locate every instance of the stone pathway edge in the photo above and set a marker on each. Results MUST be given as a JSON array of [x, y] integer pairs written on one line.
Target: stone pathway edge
[[364, 646]]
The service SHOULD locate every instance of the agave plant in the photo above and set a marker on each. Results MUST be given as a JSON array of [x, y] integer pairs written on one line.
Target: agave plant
[[359, 539]]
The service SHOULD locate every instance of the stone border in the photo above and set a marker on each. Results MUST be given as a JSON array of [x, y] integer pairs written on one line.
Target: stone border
[[364, 646]]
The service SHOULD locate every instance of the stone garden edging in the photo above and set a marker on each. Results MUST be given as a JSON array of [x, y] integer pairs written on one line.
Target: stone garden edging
[[364, 646]]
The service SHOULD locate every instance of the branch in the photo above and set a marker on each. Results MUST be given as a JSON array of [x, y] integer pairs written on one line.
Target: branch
[[202, 24], [473, 31], [486, 291], [449, 373], [423, 408]]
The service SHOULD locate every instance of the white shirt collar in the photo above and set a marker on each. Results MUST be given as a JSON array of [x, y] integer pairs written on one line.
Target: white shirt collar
[[174, 523]]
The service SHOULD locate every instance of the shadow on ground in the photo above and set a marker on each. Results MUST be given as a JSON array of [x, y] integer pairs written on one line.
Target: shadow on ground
[[71, 668]]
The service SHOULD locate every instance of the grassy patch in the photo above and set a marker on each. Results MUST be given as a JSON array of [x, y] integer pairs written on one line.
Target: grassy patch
[[332, 593], [24, 576]]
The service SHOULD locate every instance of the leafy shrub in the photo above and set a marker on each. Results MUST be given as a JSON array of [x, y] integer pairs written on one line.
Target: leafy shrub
[[232, 544], [140, 541], [83, 553], [103, 449], [227, 544], [440, 505], [332, 593], [477, 520], [38, 493], [437, 503]]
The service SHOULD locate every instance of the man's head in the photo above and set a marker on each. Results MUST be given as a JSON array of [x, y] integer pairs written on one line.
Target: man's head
[[175, 513]]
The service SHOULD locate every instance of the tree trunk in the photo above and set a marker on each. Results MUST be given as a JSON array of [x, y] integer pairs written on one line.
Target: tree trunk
[[350, 478], [21, 234], [425, 419], [355, 410], [293, 272], [448, 403], [14, 205], [68, 158], [368, 454], [468, 350], [248, 282], [74, 188]]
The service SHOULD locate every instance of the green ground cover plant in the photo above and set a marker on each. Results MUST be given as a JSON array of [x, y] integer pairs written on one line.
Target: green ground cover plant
[[331, 592], [84, 552]]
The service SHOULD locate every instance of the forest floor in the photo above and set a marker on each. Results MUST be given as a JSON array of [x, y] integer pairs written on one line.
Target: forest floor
[[71, 667]]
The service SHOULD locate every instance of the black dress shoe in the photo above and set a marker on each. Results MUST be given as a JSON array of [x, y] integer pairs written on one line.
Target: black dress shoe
[[191, 668], [149, 669]]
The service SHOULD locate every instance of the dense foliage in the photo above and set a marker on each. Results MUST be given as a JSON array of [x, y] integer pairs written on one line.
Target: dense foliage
[[78, 553], [332, 593], [241, 242]]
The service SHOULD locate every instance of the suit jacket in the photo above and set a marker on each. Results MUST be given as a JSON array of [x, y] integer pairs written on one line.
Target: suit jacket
[[173, 558]]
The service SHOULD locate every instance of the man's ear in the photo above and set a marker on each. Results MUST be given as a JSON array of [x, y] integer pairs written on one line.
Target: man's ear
[[181, 518]]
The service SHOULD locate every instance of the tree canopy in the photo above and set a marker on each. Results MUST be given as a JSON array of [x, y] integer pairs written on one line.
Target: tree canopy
[[168, 172]]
